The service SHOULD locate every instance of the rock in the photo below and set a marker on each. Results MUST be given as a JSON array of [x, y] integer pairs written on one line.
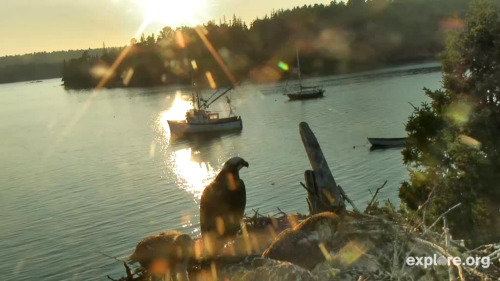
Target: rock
[[166, 253], [304, 245]]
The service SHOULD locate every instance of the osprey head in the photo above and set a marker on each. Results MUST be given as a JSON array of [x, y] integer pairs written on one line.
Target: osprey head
[[235, 164]]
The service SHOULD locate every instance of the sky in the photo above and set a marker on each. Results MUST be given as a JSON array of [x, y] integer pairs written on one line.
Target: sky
[[28, 26]]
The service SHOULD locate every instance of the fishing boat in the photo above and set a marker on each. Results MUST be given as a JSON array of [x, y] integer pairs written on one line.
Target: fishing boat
[[304, 92], [387, 142], [200, 120]]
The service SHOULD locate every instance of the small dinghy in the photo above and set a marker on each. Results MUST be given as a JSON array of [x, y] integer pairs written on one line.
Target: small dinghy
[[387, 142]]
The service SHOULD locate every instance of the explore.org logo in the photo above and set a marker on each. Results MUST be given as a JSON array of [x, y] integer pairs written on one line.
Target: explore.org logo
[[441, 260]]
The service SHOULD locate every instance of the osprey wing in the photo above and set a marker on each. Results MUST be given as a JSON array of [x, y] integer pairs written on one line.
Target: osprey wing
[[211, 206]]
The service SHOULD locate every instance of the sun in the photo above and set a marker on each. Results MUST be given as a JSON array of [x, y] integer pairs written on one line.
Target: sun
[[172, 13]]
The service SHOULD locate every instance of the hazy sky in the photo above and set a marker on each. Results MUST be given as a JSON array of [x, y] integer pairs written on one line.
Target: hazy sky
[[47, 25]]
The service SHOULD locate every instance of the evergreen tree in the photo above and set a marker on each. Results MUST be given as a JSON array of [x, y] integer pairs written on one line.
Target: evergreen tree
[[453, 150]]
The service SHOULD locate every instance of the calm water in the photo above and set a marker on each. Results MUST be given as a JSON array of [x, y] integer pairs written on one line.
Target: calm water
[[84, 173]]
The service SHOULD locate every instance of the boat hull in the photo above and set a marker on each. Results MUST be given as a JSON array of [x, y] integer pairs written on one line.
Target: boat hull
[[306, 96], [387, 142], [220, 125]]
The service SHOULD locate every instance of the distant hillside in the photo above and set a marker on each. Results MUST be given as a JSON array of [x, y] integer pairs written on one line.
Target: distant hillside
[[42, 65]]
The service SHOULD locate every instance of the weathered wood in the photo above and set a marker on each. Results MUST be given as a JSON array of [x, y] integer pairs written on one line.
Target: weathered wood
[[329, 193], [312, 195]]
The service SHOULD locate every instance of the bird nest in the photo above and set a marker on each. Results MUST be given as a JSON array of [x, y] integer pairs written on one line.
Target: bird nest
[[335, 244], [279, 221], [354, 246]]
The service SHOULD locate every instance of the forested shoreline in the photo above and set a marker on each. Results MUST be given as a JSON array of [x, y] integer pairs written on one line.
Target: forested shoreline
[[338, 38], [333, 39]]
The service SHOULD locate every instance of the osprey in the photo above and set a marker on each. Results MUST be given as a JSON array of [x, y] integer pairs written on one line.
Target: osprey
[[223, 201]]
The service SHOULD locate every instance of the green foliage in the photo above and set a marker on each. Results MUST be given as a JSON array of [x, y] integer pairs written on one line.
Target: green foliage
[[453, 142], [336, 38]]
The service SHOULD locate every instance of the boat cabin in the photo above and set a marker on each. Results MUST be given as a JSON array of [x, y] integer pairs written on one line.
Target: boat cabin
[[201, 116]]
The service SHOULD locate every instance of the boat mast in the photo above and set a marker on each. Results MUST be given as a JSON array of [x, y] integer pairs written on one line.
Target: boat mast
[[194, 95], [298, 68], [198, 97]]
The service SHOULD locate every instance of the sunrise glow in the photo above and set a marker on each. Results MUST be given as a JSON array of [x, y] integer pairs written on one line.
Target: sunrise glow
[[173, 13]]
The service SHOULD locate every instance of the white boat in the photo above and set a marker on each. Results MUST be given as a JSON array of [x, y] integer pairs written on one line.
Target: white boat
[[387, 142], [200, 120], [303, 92]]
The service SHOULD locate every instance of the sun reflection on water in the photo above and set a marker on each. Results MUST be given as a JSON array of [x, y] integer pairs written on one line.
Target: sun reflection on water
[[191, 173], [177, 111], [192, 176]]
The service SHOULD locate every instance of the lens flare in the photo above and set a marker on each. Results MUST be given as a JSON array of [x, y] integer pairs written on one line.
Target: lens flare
[[283, 66]]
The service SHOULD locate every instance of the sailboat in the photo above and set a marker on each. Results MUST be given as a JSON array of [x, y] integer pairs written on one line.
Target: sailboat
[[200, 120], [305, 92]]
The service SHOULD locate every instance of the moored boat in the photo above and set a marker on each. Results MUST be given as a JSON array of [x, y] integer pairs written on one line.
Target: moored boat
[[307, 93], [304, 92], [387, 142], [204, 122], [200, 120]]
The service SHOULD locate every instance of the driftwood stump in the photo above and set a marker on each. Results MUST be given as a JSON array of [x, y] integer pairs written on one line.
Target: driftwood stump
[[324, 195]]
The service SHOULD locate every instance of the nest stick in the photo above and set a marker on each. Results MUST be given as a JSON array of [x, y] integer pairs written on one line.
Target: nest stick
[[444, 252], [375, 195], [442, 215]]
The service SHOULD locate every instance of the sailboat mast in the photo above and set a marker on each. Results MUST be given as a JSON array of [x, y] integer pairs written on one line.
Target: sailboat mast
[[298, 68]]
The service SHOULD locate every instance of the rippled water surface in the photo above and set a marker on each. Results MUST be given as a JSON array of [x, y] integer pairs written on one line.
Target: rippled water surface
[[84, 173]]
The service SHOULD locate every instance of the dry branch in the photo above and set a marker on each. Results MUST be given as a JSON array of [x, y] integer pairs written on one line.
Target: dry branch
[[442, 251], [441, 216], [375, 195]]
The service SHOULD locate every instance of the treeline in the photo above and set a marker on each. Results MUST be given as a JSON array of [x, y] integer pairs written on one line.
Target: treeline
[[40, 65], [336, 38], [31, 71]]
